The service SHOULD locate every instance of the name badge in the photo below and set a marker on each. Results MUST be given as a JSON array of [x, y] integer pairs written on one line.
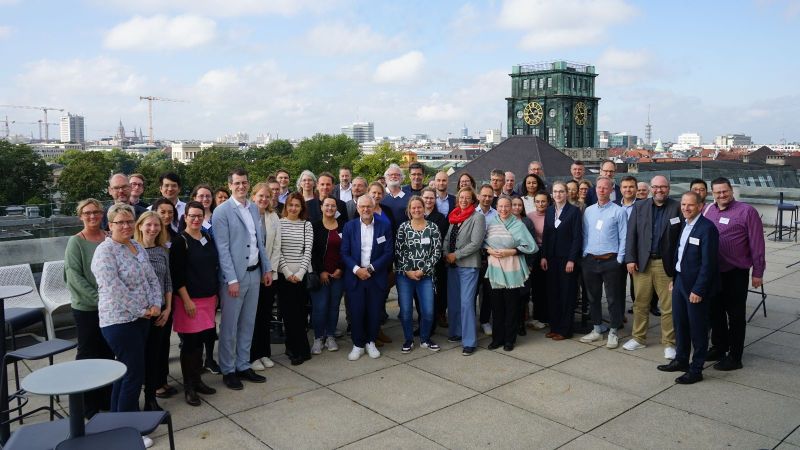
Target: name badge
[[557, 223], [674, 221], [336, 216], [694, 241], [340, 235], [425, 241], [599, 225], [203, 240], [724, 220], [381, 239]]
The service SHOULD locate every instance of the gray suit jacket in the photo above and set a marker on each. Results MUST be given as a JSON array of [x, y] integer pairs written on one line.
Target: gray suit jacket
[[352, 211], [640, 234], [469, 241], [233, 242]]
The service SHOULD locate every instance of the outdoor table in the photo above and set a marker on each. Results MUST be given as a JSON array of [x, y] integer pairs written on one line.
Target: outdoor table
[[6, 292], [73, 378]]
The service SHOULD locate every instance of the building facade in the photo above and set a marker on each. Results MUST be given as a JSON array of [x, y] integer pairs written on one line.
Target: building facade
[[72, 129], [554, 101], [690, 139], [360, 131]]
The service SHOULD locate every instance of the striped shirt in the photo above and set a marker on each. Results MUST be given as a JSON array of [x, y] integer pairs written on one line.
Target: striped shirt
[[297, 238], [159, 259]]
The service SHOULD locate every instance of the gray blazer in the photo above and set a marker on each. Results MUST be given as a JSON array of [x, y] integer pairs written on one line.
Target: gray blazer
[[232, 241], [469, 241], [640, 234], [352, 211]]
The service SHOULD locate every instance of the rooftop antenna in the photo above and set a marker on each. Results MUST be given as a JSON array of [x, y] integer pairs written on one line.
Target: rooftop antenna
[[648, 129]]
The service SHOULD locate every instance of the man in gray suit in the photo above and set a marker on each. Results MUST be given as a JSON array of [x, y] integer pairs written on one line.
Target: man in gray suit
[[653, 228], [244, 265], [358, 187]]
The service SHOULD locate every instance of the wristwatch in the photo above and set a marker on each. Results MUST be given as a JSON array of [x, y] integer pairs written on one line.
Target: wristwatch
[[370, 269]]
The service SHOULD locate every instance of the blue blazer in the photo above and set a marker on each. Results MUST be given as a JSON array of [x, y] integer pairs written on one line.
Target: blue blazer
[[699, 268], [233, 242], [565, 242], [382, 253]]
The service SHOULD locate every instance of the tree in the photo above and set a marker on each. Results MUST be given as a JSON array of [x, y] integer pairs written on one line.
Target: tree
[[86, 176], [279, 148], [23, 174], [264, 161], [123, 161], [324, 152], [373, 166], [211, 166], [153, 165]]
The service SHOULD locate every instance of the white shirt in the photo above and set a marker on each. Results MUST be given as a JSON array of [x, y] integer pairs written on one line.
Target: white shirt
[[244, 211], [367, 233], [442, 204], [684, 238], [345, 195]]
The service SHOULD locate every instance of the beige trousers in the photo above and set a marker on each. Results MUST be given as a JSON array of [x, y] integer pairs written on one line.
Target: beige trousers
[[653, 279]]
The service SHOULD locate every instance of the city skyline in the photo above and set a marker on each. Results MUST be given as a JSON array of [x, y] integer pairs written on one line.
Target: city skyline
[[295, 68]]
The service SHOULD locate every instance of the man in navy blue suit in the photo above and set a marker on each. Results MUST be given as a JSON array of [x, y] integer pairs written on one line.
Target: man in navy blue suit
[[367, 251], [695, 282]]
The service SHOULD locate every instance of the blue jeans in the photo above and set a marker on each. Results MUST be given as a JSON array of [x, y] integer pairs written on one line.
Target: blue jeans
[[325, 308], [127, 341], [462, 283], [406, 287]]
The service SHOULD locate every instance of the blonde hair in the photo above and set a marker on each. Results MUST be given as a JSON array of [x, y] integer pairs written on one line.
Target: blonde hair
[[163, 235], [119, 208], [259, 187], [89, 201]]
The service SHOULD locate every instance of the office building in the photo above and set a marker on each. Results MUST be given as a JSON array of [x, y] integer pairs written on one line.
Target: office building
[[72, 129], [360, 131]]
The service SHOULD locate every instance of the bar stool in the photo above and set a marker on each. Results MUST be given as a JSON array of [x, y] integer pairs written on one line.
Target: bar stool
[[790, 226]]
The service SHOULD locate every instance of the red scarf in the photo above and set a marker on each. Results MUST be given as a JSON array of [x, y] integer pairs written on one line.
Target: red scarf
[[458, 215]]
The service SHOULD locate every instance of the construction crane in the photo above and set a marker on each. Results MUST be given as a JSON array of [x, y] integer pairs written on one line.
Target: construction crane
[[150, 99], [44, 109], [38, 122]]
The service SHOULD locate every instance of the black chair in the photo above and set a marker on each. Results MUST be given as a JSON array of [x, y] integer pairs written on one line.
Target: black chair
[[119, 439], [21, 318], [34, 352], [44, 435], [762, 304], [145, 422]]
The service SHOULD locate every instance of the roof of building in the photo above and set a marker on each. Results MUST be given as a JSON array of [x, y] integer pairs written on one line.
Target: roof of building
[[513, 155], [761, 154]]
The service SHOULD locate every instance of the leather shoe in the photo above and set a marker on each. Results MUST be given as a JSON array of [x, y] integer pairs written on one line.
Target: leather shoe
[[232, 382], [557, 337], [383, 337], [689, 378], [508, 347], [549, 334], [657, 312], [251, 376], [191, 397], [202, 388], [727, 364], [714, 354], [494, 346], [674, 366]]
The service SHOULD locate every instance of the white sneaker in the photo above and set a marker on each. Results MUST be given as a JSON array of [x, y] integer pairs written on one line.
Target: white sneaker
[[591, 337], [613, 341], [147, 442], [267, 362], [355, 353], [536, 325], [372, 351], [487, 328], [669, 352], [316, 349], [257, 365], [331, 345], [632, 345]]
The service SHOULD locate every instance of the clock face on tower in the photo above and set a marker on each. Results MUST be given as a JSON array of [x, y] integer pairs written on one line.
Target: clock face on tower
[[580, 113], [533, 113]]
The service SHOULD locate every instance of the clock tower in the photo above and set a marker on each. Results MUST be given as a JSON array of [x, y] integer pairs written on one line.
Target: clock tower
[[554, 101]]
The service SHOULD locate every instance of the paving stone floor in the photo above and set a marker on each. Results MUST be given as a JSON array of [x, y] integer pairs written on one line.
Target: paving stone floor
[[544, 394]]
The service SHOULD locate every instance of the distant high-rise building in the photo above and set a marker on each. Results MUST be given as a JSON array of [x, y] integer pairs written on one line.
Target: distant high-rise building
[[733, 140], [690, 139], [603, 139], [493, 136], [360, 131], [554, 101], [464, 131], [623, 140], [72, 129]]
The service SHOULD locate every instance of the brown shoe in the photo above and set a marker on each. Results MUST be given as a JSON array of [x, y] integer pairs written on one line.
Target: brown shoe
[[383, 337], [549, 334], [557, 337], [378, 343]]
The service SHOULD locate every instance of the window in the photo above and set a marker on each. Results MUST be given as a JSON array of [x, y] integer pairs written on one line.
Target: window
[[551, 135], [549, 82], [535, 132], [541, 83], [525, 84], [518, 131]]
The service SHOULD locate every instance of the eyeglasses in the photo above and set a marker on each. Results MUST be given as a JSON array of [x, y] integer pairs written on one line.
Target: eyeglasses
[[92, 213], [194, 216], [137, 184], [124, 223], [119, 188], [654, 187]]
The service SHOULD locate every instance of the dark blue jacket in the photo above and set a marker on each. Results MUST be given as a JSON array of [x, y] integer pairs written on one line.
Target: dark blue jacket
[[381, 257], [565, 242], [699, 267]]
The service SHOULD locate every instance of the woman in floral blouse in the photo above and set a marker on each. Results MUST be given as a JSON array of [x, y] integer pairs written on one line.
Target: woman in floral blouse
[[417, 248], [129, 295]]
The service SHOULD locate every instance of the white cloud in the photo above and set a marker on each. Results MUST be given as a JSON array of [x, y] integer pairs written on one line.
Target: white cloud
[[438, 111], [558, 24], [4, 31], [625, 67], [161, 33], [340, 39], [66, 80], [401, 69], [220, 8], [466, 21]]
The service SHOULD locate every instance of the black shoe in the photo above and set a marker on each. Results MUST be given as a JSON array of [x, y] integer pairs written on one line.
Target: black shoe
[[468, 351], [715, 354], [630, 311], [508, 347], [212, 367], [192, 398], [166, 393], [231, 381], [522, 331], [689, 378], [297, 361], [202, 388], [727, 364], [150, 404], [674, 366], [454, 339], [251, 376], [494, 346], [657, 312]]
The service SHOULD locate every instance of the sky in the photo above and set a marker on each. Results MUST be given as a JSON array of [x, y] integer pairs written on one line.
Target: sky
[[293, 68]]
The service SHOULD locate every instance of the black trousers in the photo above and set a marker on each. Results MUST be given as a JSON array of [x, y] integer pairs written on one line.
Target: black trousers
[[156, 362], [485, 290], [691, 326], [505, 316], [260, 346], [439, 293], [561, 296], [728, 313], [292, 301], [539, 290], [92, 345]]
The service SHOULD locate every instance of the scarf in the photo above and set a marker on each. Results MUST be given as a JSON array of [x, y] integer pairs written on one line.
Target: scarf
[[458, 215], [509, 271]]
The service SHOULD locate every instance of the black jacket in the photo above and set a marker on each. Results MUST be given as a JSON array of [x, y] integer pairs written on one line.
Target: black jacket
[[565, 242], [320, 245]]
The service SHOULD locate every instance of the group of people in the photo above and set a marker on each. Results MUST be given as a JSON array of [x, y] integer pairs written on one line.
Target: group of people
[[501, 257]]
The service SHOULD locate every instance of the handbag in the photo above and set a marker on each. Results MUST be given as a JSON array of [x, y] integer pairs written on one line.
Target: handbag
[[311, 280]]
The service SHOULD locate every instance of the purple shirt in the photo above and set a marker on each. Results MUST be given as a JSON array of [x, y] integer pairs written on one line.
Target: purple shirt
[[741, 237]]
